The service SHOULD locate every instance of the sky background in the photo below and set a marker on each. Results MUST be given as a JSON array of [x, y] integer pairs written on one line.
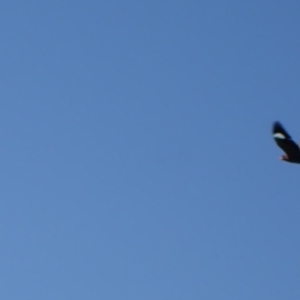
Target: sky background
[[137, 160]]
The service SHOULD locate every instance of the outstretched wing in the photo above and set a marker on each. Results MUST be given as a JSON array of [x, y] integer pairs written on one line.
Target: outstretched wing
[[284, 141]]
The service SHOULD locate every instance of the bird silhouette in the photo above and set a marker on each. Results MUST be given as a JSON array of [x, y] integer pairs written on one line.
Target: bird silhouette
[[285, 142]]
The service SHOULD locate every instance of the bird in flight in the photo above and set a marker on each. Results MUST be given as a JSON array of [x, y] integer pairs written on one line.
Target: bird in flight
[[285, 142]]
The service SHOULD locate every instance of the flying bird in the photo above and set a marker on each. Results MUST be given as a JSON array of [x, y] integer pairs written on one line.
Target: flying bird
[[285, 142]]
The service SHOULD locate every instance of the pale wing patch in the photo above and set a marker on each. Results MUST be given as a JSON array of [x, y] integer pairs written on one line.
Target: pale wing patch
[[279, 135]]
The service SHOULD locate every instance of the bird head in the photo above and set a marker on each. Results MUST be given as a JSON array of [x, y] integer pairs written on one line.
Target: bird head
[[284, 157]]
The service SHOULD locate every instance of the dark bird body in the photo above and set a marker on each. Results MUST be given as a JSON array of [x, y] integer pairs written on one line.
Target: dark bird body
[[285, 142]]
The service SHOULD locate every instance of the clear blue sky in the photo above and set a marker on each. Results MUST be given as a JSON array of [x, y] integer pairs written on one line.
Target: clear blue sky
[[136, 153]]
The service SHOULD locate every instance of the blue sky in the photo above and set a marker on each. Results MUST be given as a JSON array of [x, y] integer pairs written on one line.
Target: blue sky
[[137, 157]]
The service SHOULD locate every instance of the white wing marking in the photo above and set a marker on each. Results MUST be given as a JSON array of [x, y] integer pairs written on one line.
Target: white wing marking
[[279, 135]]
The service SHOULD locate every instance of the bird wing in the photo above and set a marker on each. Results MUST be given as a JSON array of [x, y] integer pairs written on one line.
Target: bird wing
[[284, 141]]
